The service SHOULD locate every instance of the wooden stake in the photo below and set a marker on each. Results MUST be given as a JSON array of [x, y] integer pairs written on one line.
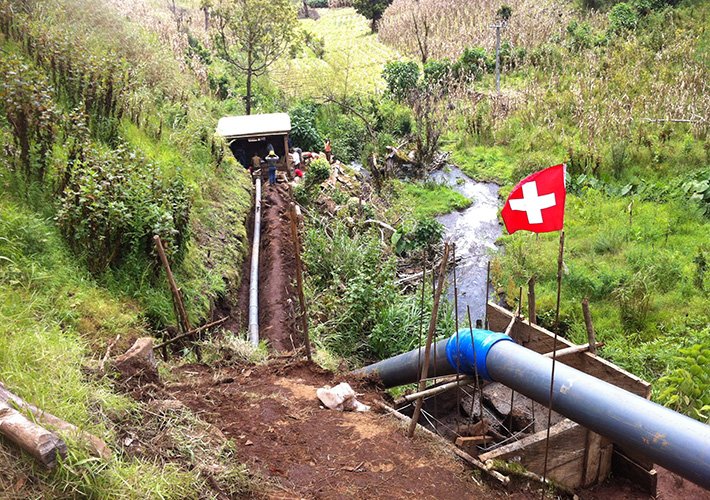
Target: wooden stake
[[456, 319], [554, 353], [590, 326], [192, 332], [299, 279], [532, 312], [478, 389], [485, 303], [430, 336], [183, 321]]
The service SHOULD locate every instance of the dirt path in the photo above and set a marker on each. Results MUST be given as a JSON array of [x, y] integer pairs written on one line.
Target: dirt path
[[310, 452]]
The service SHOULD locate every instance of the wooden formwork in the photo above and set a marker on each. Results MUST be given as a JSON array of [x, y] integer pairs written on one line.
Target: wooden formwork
[[578, 457]]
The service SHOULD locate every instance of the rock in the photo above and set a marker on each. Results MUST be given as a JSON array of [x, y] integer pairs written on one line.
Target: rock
[[138, 362], [340, 398]]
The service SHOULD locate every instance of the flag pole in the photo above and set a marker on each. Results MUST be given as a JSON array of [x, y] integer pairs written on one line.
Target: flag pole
[[554, 357]]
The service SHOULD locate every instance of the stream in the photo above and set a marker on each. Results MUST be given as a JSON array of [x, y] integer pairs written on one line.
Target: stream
[[474, 231]]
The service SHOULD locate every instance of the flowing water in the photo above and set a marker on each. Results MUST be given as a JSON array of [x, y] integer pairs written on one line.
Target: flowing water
[[474, 231]]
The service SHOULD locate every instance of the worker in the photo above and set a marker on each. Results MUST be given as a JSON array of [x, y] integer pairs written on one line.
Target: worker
[[255, 162], [327, 150], [299, 152], [271, 160], [295, 159]]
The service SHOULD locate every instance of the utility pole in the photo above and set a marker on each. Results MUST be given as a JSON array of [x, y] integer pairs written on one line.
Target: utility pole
[[498, 27]]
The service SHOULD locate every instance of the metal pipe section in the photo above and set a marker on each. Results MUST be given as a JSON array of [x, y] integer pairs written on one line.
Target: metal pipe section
[[254, 279], [674, 441]]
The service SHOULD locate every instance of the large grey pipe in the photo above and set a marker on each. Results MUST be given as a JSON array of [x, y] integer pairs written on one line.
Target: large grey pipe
[[674, 441], [254, 279]]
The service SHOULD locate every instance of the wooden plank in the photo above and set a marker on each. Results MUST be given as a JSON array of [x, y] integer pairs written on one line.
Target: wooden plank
[[623, 466], [592, 459], [566, 444], [473, 440]]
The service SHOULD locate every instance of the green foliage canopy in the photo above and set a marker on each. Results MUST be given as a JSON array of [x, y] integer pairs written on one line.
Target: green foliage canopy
[[251, 35], [372, 10]]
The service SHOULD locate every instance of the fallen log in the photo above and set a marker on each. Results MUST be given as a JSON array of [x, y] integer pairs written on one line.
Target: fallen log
[[31, 437], [96, 446]]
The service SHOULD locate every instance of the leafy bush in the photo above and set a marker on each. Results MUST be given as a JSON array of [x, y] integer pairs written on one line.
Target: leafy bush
[[428, 233], [473, 63], [115, 201], [437, 72], [623, 17], [686, 389], [401, 78], [304, 133]]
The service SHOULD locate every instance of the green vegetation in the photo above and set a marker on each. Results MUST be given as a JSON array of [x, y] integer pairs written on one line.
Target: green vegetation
[[109, 140]]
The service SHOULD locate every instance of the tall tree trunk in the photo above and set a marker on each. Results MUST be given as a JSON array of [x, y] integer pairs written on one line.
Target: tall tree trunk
[[305, 9], [248, 103], [207, 18]]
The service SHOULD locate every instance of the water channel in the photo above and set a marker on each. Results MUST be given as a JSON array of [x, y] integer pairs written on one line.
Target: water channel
[[474, 231]]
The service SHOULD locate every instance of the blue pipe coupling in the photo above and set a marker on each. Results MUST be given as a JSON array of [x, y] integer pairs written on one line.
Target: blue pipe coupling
[[471, 349]]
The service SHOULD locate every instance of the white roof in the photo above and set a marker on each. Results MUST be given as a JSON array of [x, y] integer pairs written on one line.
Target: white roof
[[233, 127]]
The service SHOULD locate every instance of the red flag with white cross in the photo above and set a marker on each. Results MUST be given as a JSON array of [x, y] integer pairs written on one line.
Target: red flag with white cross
[[537, 203]]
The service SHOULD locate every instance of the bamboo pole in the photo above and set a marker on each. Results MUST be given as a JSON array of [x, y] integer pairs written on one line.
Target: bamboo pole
[[299, 279], [408, 398], [430, 336], [475, 367], [554, 353], [589, 325]]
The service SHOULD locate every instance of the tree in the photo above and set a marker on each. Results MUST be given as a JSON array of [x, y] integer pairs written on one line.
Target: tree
[[372, 10], [252, 34]]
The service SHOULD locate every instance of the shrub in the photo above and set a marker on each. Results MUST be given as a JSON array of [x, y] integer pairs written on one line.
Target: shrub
[[303, 127], [473, 63], [623, 17], [401, 78], [437, 72], [686, 389], [114, 202]]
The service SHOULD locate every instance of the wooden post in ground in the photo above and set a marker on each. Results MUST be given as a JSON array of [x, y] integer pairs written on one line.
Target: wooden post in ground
[[183, 321], [430, 336], [532, 312], [299, 279], [589, 325]]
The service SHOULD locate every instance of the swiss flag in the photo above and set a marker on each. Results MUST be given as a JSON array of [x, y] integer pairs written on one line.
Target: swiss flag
[[537, 203]]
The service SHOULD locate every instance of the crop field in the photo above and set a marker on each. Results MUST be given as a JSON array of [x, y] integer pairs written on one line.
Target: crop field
[[352, 62]]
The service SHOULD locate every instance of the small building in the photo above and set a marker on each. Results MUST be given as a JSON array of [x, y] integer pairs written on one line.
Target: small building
[[250, 134]]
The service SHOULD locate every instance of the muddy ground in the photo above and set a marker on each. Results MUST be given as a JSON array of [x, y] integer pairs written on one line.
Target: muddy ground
[[302, 450]]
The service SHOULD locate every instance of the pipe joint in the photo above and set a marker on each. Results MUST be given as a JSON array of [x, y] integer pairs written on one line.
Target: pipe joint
[[471, 349]]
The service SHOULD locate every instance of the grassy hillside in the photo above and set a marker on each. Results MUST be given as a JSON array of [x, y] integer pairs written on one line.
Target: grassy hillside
[[105, 142]]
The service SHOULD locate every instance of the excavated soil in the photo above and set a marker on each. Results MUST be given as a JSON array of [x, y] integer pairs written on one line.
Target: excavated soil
[[307, 451]]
